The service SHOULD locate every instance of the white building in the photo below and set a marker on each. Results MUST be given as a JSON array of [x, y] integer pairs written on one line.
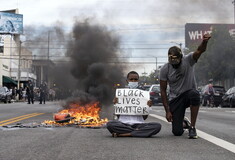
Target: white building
[[5, 58], [15, 60], [13, 53]]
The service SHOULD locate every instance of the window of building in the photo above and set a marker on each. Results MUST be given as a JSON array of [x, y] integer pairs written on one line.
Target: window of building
[[1, 49]]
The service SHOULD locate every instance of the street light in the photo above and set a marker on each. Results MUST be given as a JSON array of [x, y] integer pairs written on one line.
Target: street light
[[156, 63], [144, 75]]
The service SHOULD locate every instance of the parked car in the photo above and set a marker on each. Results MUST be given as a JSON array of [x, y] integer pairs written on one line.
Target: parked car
[[5, 95], [219, 92], [146, 87], [155, 94], [228, 100]]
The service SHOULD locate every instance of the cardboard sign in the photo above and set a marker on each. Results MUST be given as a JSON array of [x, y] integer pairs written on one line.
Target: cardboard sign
[[132, 102]]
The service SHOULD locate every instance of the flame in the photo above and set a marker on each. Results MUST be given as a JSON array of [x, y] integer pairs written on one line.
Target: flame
[[87, 115]]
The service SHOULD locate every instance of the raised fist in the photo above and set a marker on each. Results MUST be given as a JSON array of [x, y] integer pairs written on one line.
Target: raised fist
[[206, 37]]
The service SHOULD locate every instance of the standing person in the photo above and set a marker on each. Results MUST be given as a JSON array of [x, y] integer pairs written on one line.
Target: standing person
[[30, 92], [132, 125], [13, 93], [179, 74], [208, 93], [43, 92], [51, 94], [20, 93], [23, 94]]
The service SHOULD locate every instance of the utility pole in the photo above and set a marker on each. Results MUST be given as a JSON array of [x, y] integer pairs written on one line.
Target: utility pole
[[144, 75], [233, 2], [156, 72], [19, 64], [156, 67], [156, 63], [48, 49]]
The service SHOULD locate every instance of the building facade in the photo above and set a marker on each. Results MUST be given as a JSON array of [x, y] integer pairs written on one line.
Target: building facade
[[15, 62]]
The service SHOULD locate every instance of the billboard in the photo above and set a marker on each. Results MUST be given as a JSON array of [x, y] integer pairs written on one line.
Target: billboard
[[11, 23], [195, 31]]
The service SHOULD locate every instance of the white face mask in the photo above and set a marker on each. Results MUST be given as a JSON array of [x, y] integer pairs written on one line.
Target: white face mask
[[133, 85]]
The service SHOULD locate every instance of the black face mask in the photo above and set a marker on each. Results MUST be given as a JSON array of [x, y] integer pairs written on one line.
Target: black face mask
[[176, 65], [175, 61]]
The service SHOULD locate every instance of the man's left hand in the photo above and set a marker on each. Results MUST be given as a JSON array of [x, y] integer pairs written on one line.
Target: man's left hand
[[206, 37]]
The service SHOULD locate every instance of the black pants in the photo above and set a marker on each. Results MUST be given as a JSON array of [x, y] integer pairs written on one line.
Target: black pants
[[178, 106], [42, 97], [30, 98], [136, 130]]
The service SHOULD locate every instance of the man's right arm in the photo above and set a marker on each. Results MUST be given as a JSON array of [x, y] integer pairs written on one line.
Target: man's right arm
[[163, 86]]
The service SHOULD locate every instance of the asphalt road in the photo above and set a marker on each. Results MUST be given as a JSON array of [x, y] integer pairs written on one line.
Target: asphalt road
[[72, 143]]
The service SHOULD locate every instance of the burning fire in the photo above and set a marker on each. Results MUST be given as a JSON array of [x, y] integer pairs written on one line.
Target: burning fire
[[87, 115]]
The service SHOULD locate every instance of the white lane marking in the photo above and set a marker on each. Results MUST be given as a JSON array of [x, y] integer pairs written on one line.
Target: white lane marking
[[162, 110], [217, 141], [200, 111], [158, 111], [230, 111], [159, 117]]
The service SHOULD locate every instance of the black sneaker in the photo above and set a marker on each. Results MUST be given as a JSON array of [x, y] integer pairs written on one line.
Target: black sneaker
[[186, 123], [192, 133], [114, 135]]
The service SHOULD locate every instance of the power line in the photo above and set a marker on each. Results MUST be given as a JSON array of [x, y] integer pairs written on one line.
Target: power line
[[146, 28], [44, 41], [123, 62], [118, 62], [56, 43], [60, 56], [73, 48], [15, 58], [38, 48], [233, 2]]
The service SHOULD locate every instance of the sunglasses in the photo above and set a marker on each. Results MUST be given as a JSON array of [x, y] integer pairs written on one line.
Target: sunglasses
[[173, 57], [134, 79]]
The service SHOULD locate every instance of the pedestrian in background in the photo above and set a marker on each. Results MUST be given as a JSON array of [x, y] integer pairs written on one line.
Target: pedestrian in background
[[13, 95], [209, 92], [23, 94], [43, 92], [51, 94], [179, 74], [30, 92]]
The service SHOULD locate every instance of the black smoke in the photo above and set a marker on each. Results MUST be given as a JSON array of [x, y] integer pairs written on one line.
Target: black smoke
[[94, 58], [86, 62]]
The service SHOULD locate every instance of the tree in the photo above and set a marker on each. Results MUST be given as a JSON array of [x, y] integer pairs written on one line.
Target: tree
[[218, 61], [150, 79]]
